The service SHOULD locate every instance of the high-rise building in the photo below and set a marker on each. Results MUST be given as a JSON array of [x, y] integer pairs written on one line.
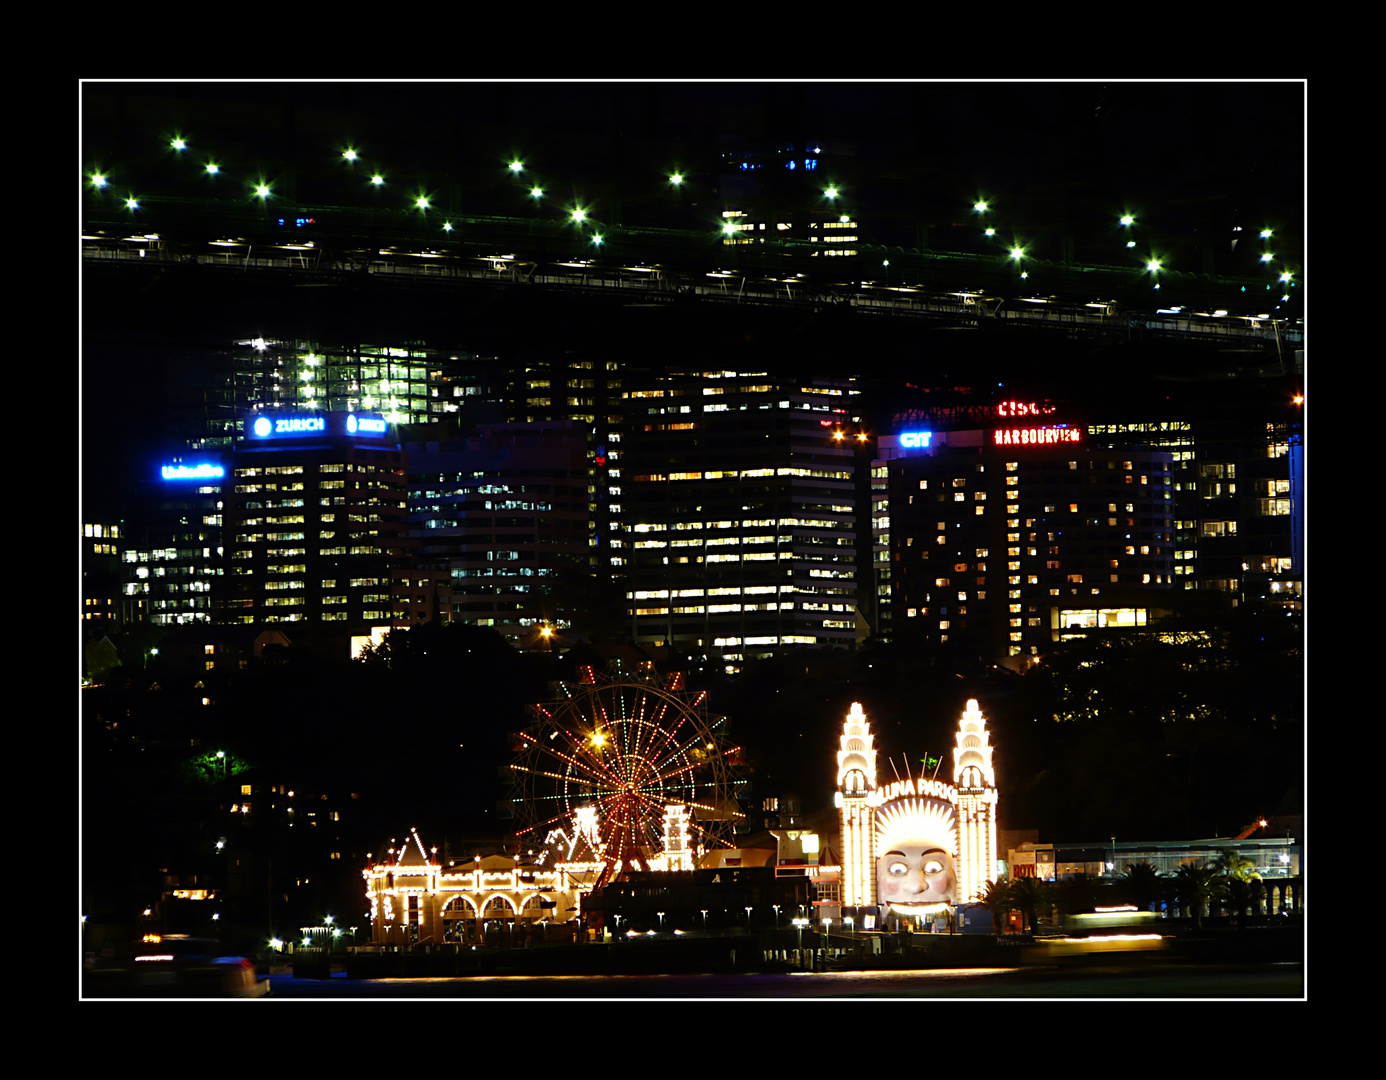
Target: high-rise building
[[740, 513], [1006, 539], [173, 551], [314, 523], [407, 383], [503, 514]]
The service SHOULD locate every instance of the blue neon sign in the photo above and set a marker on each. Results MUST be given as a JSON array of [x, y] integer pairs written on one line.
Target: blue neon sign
[[915, 440], [202, 471], [365, 425], [351, 425]]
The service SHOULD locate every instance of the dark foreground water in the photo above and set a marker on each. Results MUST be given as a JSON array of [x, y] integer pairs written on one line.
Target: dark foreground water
[[1141, 981]]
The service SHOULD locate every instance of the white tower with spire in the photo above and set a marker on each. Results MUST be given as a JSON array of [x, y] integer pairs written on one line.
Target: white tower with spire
[[856, 790], [975, 780]]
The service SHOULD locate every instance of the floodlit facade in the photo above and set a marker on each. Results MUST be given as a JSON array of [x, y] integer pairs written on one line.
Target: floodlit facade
[[415, 900], [918, 846]]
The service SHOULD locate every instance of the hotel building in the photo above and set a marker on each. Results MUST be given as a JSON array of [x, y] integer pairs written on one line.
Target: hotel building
[[1004, 540]]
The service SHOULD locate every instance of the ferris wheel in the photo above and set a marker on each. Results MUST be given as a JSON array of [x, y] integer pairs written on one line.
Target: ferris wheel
[[626, 744]]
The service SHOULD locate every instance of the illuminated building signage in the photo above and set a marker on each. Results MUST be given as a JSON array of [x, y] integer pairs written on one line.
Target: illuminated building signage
[[934, 789], [1023, 408], [365, 425], [203, 471], [915, 440], [264, 427], [352, 425], [1037, 436]]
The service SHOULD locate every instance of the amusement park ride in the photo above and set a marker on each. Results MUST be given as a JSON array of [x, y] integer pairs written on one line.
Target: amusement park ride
[[626, 771]]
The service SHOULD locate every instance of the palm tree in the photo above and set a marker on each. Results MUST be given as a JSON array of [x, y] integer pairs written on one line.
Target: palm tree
[[1242, 893], [1195, 884], [996, 898], [1140, 885], [1026, 894]]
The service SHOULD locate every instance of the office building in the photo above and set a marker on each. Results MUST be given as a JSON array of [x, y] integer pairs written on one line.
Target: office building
[[500, 518], [740, 513], [173, 542], [314, 523]]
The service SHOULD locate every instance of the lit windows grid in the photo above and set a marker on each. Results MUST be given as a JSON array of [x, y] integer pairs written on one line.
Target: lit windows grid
[[947, 566], [756, 518]]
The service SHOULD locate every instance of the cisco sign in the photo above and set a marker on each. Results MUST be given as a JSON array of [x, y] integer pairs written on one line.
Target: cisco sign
[[352, 425]]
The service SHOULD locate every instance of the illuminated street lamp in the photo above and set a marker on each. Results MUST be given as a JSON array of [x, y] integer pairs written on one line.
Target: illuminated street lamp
[[676, 179], [212, 168], [98, 180], [349, 154], [517, 166]]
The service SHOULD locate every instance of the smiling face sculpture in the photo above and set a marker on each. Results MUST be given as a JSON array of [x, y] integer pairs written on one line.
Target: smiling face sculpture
[[915, 873]]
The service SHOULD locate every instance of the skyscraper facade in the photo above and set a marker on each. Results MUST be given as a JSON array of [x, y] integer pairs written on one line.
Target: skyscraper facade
[[740, 513]]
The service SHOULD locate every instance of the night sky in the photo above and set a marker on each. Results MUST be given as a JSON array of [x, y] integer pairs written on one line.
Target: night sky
[[1192, 160]]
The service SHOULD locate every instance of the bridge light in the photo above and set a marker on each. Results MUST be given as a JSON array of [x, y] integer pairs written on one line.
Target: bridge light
[[98, 180], [213, 168], [1127, 219], [377, 179], [178, 143], [536, 192], [132, 203], [517, 166], [421, 202], [349, 154], [579, 214], [676, 179], [831, 193], [1267, 257], [980, 206], [1017, 253], [1153, 265], [262, 191]]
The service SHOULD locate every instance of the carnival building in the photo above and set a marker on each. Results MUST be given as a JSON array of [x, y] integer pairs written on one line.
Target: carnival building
[[919, 846]]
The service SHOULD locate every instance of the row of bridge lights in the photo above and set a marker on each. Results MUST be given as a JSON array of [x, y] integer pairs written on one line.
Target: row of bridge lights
[[578, 215], [1153, 265]]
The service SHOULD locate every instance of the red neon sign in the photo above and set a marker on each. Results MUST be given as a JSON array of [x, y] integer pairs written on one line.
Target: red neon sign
[[1023, 408], [1036, 436]]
